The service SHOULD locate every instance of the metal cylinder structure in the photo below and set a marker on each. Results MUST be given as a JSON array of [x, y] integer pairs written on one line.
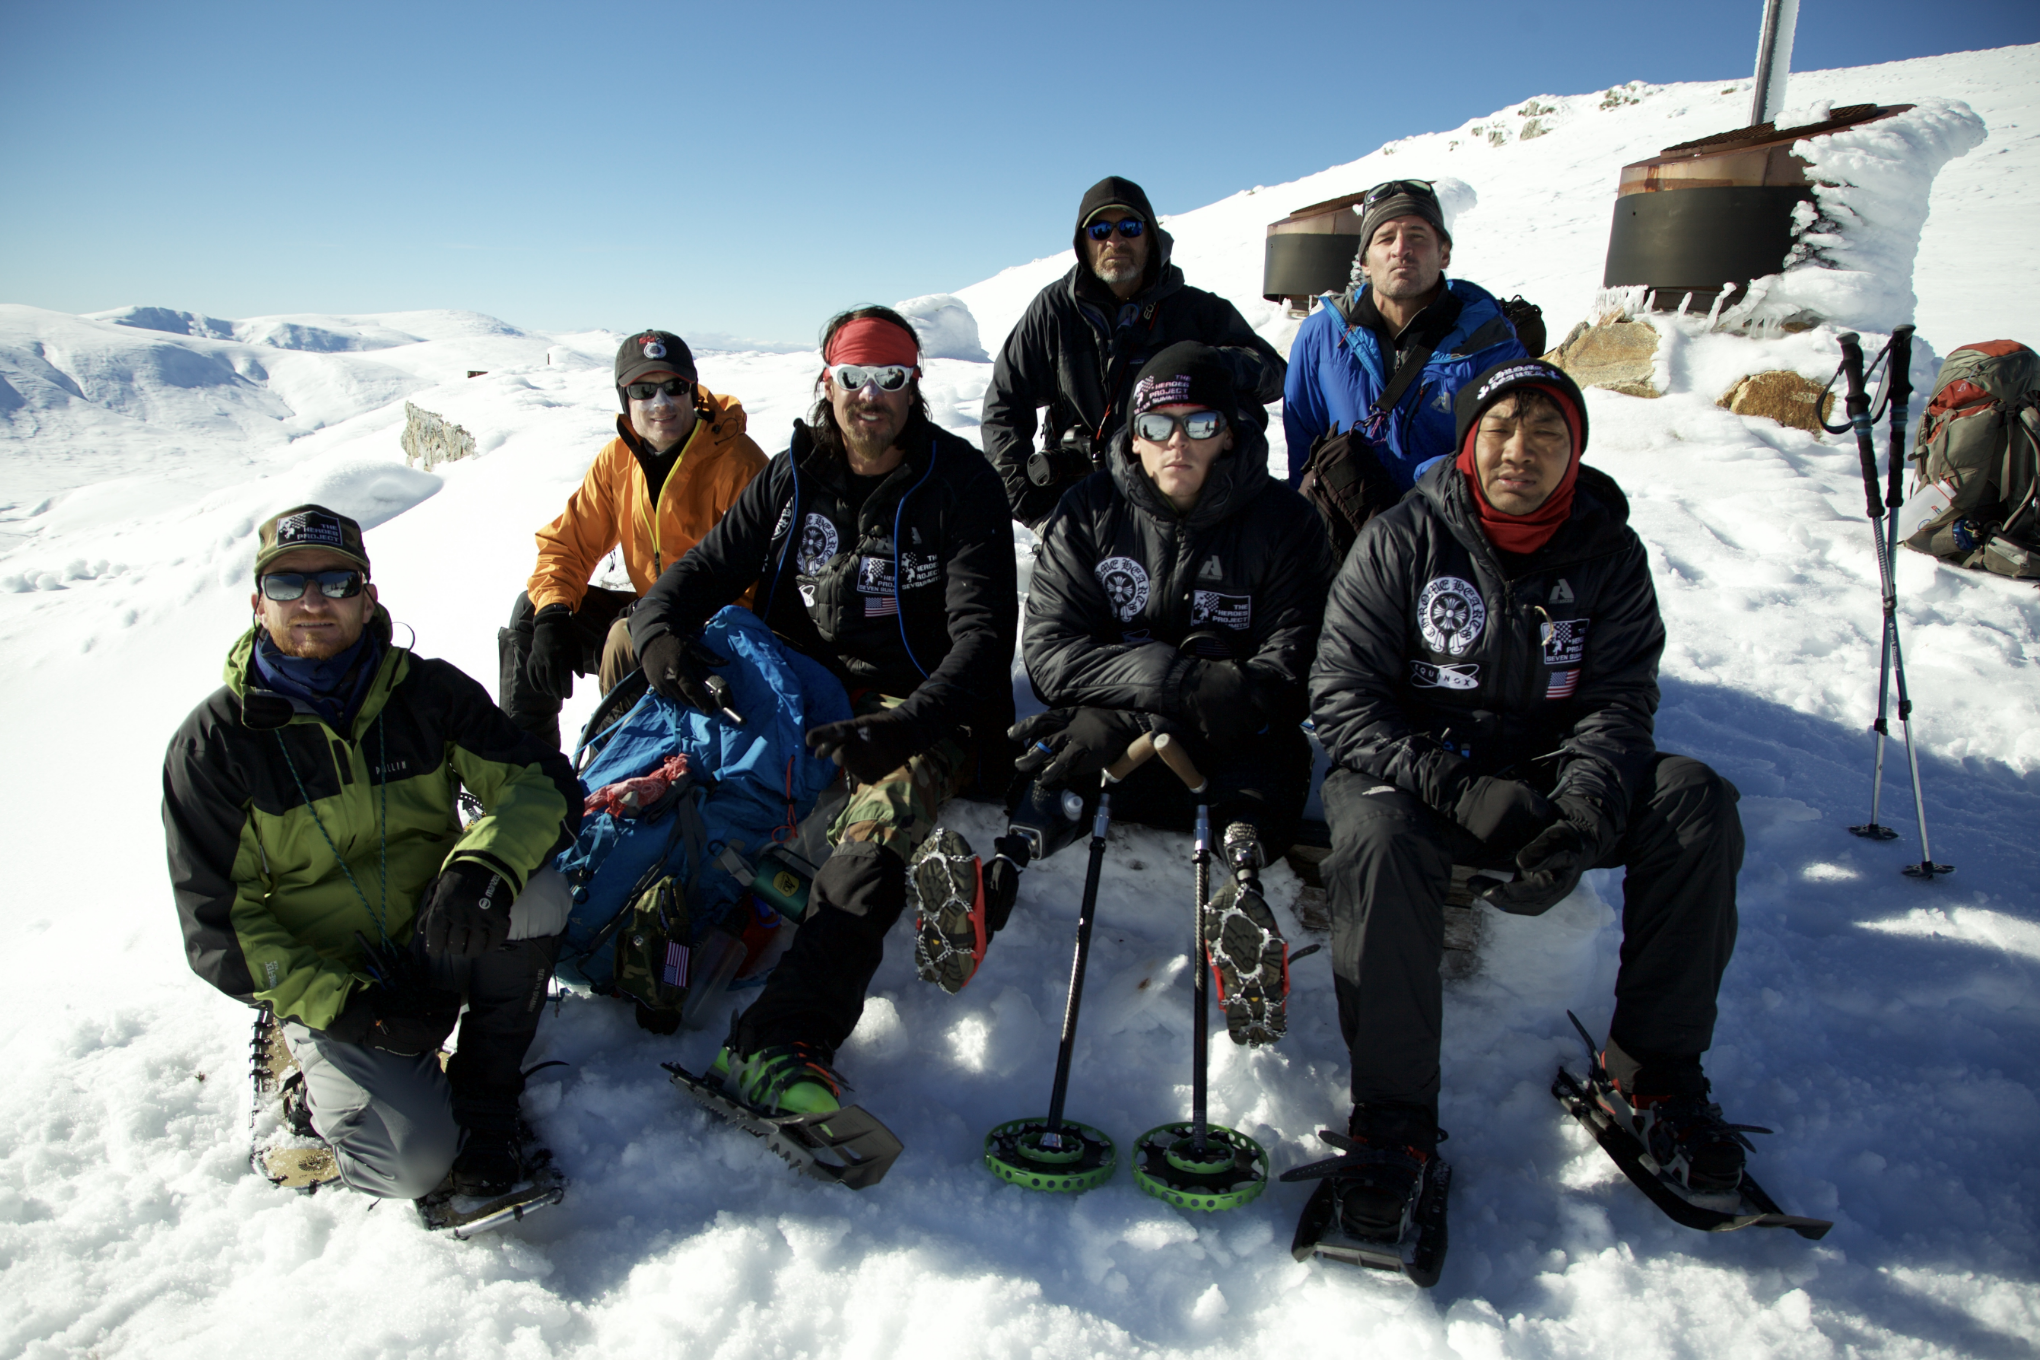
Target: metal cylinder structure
[[1311, 252]]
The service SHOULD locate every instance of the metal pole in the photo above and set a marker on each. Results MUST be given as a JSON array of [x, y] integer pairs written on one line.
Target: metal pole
[[1774, 59], [1200, 1038], [1099, 826]]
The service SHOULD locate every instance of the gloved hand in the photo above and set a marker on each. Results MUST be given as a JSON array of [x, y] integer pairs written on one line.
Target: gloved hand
[[1598, 829], [399, 1012], [467, 911], [1503, 814], [550, 667], [678, 669], [1220, 697], [1547, 870], [1068, 746], [870, 747]]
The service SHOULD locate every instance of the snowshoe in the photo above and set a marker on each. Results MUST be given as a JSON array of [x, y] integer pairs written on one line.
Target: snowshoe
[[1381, 1207], [1249, 959], [947, 883], [1677, 1150], [475, 1197], [791, 1099], [283, 1147]]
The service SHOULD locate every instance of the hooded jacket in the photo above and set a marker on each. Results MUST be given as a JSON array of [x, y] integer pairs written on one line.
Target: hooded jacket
[[614, 504], [1123, 578], [1338, 367], [278, 827], [1070, 353], [1443, 659], [913, 594]]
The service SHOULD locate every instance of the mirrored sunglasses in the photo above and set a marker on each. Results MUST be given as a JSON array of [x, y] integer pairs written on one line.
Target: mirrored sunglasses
[[1129, 227], [334, 585], [1157, 426], [853, 377], [645, 391]]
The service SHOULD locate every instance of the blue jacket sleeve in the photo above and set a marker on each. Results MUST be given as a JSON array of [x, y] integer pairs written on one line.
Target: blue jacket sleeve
[[1303, 402]]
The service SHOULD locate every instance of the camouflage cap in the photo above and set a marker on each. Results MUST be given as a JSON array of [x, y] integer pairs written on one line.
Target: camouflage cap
[[310, 526]]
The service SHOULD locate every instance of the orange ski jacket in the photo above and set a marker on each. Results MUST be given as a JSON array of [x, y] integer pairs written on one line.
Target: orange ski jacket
[[612, 505]]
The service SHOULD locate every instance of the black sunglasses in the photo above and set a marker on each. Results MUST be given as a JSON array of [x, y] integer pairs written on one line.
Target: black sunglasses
[[1418, 188], [672, 387], [1156, 426], [334, 585], [1129, 227]]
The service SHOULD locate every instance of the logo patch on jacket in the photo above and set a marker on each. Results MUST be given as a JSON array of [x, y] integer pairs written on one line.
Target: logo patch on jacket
[[1126, 586], [1450, 615], [1211, 571], [818, 543], [1463, 675], [874, 576], [1565, 641], [1227, 611]]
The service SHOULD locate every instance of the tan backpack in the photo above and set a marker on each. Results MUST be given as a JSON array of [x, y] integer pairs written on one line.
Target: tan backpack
[[1980, 442]]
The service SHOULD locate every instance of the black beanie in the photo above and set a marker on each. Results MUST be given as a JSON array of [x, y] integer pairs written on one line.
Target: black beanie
[[650, 351], [1405, 198], [1491, 386], [1186, 373]]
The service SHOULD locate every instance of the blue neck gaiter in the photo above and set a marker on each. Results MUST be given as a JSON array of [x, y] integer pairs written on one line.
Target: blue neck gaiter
[[332, 687]]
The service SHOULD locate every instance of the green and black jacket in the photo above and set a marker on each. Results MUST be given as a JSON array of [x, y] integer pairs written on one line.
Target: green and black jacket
[[261, 875]]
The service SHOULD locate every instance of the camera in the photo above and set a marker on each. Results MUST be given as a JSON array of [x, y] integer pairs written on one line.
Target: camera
[[1062, 463]]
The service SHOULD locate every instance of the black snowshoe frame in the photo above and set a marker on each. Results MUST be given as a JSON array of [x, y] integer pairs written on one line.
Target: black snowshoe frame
[[1417, 1252], [847, 1147], [465, 1216], [1584, 1101]]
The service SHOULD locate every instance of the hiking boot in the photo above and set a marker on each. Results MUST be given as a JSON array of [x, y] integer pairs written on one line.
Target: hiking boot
[[491, 1161], [1249, 958], [1682, 1129], [946, 883], [781, 1079], [1393, 1146], [297, 1106]]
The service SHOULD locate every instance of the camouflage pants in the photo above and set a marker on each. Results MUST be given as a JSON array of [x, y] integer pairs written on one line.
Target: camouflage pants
[[899, 810]]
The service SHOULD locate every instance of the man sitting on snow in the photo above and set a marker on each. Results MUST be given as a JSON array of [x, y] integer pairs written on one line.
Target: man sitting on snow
[[1182, 589], [1485, 687], [1386, 358], [321, 870], [679, 459], [878, 545], [1086, 335]]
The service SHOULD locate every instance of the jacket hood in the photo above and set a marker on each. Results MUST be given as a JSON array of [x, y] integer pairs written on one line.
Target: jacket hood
[[1114, 189], [264, 708], [1239, 475], [1596, 497]]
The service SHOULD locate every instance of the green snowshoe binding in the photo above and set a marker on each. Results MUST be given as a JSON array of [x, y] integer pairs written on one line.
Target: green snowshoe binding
[[788, 1096]]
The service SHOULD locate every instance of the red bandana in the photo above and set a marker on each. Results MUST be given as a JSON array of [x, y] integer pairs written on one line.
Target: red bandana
[[869, 340], [1525, 533]]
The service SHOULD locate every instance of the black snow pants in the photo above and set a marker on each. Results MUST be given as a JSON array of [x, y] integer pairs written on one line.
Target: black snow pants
[[539, 714], [505, 991], [1387, 875]]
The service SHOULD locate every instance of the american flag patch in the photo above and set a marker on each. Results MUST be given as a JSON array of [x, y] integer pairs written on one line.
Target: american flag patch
[[1562, 685], [880, 606], [676, 964]]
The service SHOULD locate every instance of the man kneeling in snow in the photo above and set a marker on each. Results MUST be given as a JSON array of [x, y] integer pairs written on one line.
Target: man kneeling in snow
[[1485, 686], [321, 870]]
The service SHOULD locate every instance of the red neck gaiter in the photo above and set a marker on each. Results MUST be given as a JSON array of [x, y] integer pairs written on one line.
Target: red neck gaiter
[[1524, 533]]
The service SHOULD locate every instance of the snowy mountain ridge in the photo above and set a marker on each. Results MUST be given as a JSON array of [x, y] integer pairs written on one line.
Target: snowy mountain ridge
[[1886, 1029]]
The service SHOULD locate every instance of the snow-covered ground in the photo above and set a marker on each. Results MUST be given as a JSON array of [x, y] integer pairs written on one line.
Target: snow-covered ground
[[1887, 1029]]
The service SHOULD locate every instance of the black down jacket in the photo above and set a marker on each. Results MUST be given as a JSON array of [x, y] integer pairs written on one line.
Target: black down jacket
[[1122, 579], [1069, 355], [1443, 659], [914, 595]]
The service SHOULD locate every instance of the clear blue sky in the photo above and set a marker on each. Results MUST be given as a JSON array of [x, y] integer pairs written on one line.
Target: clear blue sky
[[746, 168]]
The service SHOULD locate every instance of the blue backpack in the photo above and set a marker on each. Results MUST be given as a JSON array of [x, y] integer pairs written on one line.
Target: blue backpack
[[747, 788]]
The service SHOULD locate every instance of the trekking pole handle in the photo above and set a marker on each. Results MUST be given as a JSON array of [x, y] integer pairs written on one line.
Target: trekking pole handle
[[1898, 382], [1178, 759], [1138, 754], [1857, 404]]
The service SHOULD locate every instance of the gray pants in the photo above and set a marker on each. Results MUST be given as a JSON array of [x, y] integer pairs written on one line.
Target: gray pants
[[390, 1118]]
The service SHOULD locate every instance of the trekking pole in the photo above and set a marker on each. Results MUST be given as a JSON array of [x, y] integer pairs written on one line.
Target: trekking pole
[[1051, 1154], [1898, 380], [1857, 404]]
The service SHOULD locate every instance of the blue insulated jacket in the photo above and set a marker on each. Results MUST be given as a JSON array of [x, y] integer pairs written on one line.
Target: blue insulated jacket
[[1337, 369]]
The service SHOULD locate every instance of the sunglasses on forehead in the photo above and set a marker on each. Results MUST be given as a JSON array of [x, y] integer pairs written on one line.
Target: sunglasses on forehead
[[1157, 426], [1129, 227], [291, 585], [645, 391], [854, 377], [1417, 188]]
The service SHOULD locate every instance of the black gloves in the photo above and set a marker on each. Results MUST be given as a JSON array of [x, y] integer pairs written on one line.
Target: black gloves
[[870, 748], [467, 911], [1503, 814], [550, 668], [1220, 698], [1074, 745], [679, 670], [1547, 870], [401, 1011]]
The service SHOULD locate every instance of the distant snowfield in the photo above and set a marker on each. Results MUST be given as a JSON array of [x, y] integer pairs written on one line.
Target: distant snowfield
[[1885, 1028]]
